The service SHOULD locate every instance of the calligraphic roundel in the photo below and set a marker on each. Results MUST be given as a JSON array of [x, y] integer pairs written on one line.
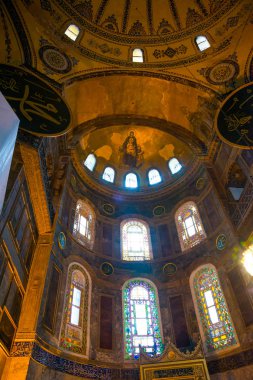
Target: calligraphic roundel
[[234, 120], [39, 107]]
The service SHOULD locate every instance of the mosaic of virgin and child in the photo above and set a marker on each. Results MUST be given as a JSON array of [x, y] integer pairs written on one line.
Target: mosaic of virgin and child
[[131, 153]]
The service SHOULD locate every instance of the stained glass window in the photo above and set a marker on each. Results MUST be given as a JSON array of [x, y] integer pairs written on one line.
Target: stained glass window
[[135, 240], [216, 326], [202, 43], [141, 319], [72, 32], [109, 174], [189, 226], [74, 331], [174, 165], [90, 162], [137, 55], [154, 176], [131, 180], [84, 223]]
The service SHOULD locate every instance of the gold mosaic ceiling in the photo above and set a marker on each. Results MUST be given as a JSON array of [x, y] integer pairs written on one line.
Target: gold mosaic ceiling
[[133, 149], [144, 18]]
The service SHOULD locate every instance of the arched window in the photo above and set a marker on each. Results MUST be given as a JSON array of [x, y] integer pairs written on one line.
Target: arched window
[[154, 176], [137, 55], [189, 226], [141, 316], [174, 165], [131, 181], [135, 240], [216, 326], [90, 162], [202, 43], [76, 314], [109, 174], [72, 32], [84, 223]]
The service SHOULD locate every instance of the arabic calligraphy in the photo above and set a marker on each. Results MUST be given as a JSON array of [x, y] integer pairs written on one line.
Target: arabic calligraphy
[[39, 107], [235, 118]]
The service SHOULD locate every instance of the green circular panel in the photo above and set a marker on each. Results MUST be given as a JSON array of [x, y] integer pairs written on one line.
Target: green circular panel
[[169, 269], [221, 242], [107, 269]]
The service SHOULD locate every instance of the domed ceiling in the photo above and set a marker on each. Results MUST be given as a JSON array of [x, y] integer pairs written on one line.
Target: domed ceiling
[[152, 148], [144, 18]]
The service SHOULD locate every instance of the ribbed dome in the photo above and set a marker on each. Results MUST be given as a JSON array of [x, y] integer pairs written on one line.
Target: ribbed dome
[[144, 18]]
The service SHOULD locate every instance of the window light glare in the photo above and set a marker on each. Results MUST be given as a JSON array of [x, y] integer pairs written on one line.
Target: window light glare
[[131, 181], [174, 165], [90, 162], [137, 55], [202, 43], [248, 260], [154, 177], [72, 32], [109, 174]]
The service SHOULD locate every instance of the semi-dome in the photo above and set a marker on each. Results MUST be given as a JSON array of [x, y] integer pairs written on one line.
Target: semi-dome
[[144, 151]]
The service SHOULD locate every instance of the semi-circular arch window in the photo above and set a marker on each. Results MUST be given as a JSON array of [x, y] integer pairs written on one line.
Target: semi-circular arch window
[[216, 326], [154, 177], [90, 162], [72, 32], [174, 165], [109, 174], [135, 240], [189, 226], [75, 320], [84, 223], [202, 43], [141, 319], [137, 55], [131, 181]]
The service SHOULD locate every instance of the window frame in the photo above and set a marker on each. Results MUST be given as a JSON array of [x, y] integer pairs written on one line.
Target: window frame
[[81, 341], [198, 44], [156, 183], [186, 241], [83, 208], [137, 179], [155, 309], [95, 163], [66, 29], [132, 55], [178, 171], [114, 174], [202, 317], [146, 241]]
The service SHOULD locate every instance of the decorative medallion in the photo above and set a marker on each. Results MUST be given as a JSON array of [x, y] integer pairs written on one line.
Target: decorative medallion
[[55, 59], [169, 269], [223, 72], [107, 269], [108, 208], [171, 355], [39, 107], [158, 210], [221, 242], [235, 117], [62, 240], [200, 184]]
